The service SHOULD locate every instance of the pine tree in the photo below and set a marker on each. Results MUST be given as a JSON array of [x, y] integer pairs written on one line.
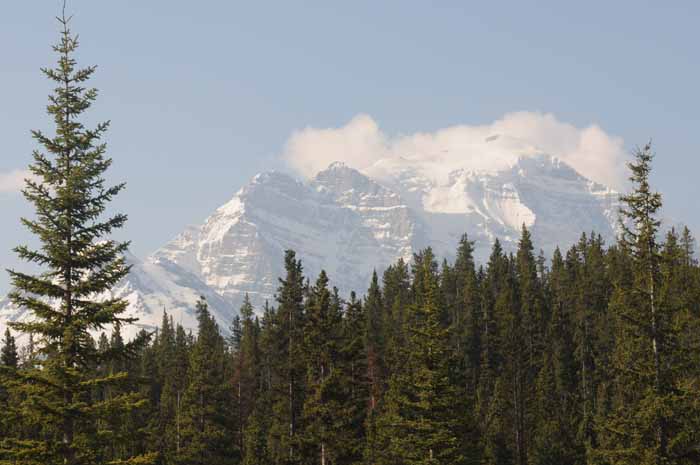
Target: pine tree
[[689, 272], [647, 424], [245, 376], [511, 346], [419, 423], [169, 384], [353, 404], [288, 389], [550, 444], [257, 435], [206, 418], [174, 397], [525, 361], [322, 403], [374, 309], [394, 297], [467, 321], [8, 355], [491, 400], [70, 197], [556, 416], [584, 285], [375, 344], [9, 361]]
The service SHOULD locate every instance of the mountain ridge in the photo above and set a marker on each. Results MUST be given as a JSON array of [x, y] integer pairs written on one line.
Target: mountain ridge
[[350, 223]]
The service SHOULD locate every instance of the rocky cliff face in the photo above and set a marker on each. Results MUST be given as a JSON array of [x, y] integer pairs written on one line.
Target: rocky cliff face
[[341, 221], [350, 223]]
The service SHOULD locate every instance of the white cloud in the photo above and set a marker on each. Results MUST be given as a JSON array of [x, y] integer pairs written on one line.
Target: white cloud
[[362, 145], [13, 181]]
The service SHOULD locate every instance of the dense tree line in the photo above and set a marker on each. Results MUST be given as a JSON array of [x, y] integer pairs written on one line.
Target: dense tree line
[[591, 356]]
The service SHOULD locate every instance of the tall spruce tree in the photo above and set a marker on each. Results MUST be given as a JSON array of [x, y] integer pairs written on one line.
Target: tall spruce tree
[[70, 298], [420, 421], [246, 374], [374, 310], [375, 344], [654, 408], [531, 318], [289, 368], [355, 395], [207, 432], [8, 365], [9, 356], [556, 414], [323, 375], [395, 294], [257, 444]]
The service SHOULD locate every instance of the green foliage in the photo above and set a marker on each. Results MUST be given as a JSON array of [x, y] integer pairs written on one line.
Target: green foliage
[[653, 408], [419, 423], [53, 394], [517, 362], [287, 368], [593, 357], [207, 400], [9, 356]]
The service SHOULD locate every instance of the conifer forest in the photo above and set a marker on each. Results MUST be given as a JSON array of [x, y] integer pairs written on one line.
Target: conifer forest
[[588, 356]]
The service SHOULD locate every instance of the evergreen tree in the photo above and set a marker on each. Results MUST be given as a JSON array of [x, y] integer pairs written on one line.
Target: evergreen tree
[[654, 410], [257, 435], [8, 354], [531, 319], [690, 278], [491, 402], [556, 414], [288, 386], [584, 285], [374, 310], [467, 322], [355, 395], [9, 361], [375, 345], [394, 298], [169, 384], [206, 418], [322, 404], [510, 392], [70, 197], [247, 361], [419, 423]]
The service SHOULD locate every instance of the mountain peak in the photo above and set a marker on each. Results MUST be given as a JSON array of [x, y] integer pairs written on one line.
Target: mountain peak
[[349, 222], [339, 170], [337, 165], [349, 186]]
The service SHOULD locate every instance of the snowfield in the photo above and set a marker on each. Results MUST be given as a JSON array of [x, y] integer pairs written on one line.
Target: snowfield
[[351, 223]]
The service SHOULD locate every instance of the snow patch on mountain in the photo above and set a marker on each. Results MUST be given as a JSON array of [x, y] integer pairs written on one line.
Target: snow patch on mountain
[[153, 286], [351, 222]]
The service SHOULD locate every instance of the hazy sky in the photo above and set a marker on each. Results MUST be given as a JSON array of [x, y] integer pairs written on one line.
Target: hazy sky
[[203, 95]]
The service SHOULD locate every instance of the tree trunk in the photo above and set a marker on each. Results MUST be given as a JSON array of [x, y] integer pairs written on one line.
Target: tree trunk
[[658, 387], [291, 384]]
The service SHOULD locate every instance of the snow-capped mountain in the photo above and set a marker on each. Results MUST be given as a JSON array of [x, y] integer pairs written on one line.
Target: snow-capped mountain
[[341, 221], [347, 223], [154, 285], [543, 193], [350, 222]]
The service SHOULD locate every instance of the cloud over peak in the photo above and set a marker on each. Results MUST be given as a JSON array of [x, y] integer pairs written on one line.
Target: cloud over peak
[[490, 147]]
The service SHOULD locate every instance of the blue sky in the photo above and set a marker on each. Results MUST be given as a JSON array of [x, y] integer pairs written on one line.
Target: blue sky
[[203, 95]]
